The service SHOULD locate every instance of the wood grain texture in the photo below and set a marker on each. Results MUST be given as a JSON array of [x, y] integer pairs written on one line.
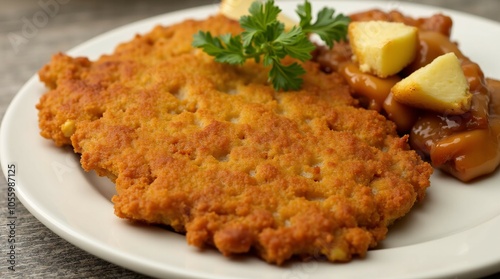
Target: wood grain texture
[[43, 254]]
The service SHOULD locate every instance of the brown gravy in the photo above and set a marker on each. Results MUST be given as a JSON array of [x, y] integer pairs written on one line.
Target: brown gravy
[[466, 146]]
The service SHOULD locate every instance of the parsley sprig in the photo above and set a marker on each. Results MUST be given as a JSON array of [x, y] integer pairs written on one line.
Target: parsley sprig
[[265, 38]]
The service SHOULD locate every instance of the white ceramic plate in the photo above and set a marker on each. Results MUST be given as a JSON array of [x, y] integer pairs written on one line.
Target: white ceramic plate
[[455, 232]]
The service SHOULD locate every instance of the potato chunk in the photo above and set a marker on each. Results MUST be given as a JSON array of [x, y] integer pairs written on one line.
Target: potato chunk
[[383, 48], [234, 9], [439, 86]]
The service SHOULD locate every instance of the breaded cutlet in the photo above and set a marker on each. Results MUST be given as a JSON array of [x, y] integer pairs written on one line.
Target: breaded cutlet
[[214, 152]]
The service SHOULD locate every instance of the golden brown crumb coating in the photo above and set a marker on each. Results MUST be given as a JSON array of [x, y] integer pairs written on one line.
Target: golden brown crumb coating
[[213, 151]]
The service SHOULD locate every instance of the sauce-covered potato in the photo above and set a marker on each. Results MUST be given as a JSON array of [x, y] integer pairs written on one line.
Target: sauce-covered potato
[[383, 48], [440, 86], [464, 144]]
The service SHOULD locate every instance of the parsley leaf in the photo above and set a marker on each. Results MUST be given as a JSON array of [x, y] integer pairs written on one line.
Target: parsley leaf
[[265, 38], [285, 77], [256, 24], [296, 44], [226, 49], [330, 28]]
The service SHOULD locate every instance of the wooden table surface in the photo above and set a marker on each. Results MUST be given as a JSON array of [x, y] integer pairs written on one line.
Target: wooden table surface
[[41, 253]]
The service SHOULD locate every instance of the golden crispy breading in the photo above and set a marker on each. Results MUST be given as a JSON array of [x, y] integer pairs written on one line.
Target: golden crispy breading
[[213, 151]]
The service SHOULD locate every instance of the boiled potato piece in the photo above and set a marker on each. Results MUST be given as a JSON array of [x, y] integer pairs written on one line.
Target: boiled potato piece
[[439, 86], [234, 9], [383, 48]]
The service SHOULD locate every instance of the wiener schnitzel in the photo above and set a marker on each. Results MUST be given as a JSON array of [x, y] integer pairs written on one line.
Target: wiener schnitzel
[[214, 152]]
